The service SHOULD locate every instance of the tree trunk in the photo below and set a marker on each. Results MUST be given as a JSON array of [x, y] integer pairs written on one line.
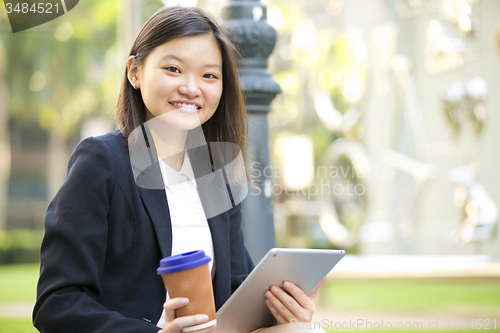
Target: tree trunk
[[58, 159], [5, 153]]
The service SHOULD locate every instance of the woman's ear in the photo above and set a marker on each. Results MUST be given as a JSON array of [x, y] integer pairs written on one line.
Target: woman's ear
[[133, 71]]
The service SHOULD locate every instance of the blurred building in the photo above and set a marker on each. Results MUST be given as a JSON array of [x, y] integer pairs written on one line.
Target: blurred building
[[401, 91]]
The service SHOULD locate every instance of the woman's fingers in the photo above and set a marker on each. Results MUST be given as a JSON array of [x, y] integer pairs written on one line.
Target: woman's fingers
[[296, 305], [173, 304], [279, 318], [179, 323], [285, 304], [299, 295], [175, 325]]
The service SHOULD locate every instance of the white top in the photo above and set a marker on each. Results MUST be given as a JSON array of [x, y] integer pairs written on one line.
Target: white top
[[190, 230]]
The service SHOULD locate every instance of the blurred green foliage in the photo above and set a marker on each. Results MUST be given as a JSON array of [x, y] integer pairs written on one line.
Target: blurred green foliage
[[68, 67], [20, 246], [61, 68]]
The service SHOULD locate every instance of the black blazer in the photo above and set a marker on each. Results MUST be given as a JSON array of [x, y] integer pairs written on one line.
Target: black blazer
[[104, 237]]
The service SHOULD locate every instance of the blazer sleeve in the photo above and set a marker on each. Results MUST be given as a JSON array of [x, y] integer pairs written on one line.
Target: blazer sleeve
[[241, 262], [73, 250]]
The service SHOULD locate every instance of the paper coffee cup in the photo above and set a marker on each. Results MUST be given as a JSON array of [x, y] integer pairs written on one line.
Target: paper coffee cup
[[187, 275]]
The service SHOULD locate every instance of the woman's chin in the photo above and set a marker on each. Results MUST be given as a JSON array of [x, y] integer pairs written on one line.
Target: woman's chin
[[177, 119]]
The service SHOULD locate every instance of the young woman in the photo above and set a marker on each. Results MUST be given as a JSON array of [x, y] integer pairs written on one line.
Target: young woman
[[112, 220]]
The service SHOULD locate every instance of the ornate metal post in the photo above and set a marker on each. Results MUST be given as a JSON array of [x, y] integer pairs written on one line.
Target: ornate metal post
[[246, 21]]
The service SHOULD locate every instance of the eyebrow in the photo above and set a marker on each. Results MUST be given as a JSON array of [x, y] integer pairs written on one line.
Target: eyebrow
[[171, 56]]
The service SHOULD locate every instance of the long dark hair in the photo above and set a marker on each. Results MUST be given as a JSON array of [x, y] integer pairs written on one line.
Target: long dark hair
[[230, 121]]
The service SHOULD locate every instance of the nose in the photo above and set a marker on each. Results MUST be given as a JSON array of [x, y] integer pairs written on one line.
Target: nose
[[189, 88]]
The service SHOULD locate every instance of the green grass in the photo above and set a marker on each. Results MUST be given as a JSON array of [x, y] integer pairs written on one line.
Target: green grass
[[410, 296], [18, 283], [16, 325], [474, 296]]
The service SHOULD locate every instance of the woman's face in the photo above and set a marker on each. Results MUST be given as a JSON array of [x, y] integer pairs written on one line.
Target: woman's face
[[183, 77]]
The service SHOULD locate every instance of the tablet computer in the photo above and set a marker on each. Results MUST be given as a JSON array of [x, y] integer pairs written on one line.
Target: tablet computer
[[246, 311]]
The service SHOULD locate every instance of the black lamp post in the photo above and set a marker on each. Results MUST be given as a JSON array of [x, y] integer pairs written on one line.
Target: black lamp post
[[246, 21]]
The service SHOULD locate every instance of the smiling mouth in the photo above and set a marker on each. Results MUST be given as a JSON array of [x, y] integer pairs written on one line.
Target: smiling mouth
[[186, 106]]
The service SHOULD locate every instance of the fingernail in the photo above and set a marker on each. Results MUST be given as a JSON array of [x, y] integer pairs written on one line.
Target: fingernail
[[204, 317], [286, 284]]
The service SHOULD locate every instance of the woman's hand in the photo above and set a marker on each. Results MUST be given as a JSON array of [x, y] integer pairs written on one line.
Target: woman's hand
[[175, 325], [285, 307]]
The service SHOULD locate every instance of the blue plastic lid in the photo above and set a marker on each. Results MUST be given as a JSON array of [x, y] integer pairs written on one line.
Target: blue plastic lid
[[183, 261]]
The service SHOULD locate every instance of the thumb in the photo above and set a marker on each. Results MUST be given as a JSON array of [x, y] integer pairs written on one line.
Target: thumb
[[312, 295]]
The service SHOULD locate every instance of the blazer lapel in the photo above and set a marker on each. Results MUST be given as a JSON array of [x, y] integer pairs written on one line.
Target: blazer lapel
[[216, 203], [211, 186], [152, 190], [219, 228], [155, 202]]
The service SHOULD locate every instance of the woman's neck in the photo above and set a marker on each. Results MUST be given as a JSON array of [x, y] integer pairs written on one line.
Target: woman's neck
[[169, 143]]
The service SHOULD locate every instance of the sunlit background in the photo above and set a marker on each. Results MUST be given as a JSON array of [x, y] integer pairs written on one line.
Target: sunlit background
[[384, 142]]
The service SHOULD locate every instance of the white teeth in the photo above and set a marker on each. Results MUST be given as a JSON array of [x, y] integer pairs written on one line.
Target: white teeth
[[187, 106]]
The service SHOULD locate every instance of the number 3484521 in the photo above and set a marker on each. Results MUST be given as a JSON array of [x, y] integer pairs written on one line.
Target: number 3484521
[[484, 324], [24, 8]]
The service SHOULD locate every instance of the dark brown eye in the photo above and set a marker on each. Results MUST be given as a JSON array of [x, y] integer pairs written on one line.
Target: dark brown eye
[[173, 69], [209, 76]]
